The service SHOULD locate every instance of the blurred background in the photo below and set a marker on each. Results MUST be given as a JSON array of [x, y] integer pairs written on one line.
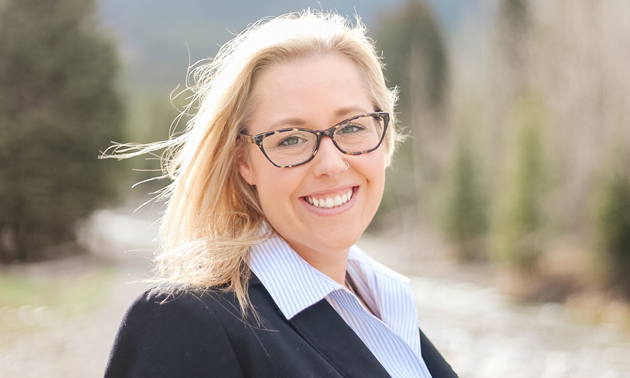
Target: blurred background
[[508, 205]]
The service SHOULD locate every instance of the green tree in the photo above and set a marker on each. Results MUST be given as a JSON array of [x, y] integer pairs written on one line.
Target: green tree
[[464, 212], [416, 62], [58, 108], [511, 56], [613, 227], [517, 222], [415, 55], [518, 218]]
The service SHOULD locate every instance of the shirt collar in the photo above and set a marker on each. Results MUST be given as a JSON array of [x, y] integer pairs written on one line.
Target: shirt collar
[[359, 260], [295, 285], [292, 283], [388, 293]]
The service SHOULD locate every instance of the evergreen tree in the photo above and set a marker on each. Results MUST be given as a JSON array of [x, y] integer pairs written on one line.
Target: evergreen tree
[[58, 108], [518, 218], [510, 78], [517, 223], [415, 55], [513, 23], [464, 213], [613, 227], [416, 62]]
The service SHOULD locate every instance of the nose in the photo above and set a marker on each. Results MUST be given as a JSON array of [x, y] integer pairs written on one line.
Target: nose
[[328, 161]]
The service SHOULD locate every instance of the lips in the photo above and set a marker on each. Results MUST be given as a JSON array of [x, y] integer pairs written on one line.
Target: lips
[[329, 201]]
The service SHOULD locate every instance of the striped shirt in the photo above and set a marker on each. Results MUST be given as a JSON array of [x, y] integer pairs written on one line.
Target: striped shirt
[[392, 335]]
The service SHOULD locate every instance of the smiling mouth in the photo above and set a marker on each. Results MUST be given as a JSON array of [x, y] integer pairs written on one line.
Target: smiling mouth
[[330, 201]]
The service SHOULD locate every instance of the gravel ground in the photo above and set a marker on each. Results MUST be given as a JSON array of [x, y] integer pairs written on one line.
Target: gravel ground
[[79, 347], [480, 332]]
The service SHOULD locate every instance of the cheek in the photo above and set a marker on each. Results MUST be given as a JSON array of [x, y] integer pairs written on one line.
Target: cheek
[[376, 166], [380, 183], [276, 193], [275, 188]]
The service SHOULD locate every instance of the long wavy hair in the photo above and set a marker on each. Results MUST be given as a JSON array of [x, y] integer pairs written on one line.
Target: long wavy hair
[[213, 216]]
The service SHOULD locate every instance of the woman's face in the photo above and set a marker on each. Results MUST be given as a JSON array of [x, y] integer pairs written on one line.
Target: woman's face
[[314, 93]]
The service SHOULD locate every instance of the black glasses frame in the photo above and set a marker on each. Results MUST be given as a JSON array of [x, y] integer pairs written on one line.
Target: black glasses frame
[[258, 138]]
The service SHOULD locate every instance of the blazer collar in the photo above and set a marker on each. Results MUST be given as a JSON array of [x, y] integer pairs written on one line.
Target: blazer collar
[[322, 327]]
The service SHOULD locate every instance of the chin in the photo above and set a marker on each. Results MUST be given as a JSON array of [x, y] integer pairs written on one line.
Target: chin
[[340, 243]]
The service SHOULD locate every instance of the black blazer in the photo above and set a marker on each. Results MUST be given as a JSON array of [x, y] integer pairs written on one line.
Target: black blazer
[[204, 335]]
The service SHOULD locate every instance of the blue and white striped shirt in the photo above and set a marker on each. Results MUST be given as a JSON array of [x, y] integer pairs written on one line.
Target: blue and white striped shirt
[[392, 336]]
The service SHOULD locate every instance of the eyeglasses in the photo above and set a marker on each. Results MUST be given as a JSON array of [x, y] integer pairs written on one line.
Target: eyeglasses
[[288, 148]]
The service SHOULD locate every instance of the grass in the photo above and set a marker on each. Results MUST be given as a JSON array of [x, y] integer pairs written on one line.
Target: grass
[[31, 303]]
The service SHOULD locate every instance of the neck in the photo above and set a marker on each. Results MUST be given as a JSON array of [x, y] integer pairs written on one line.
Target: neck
[[332, 264]]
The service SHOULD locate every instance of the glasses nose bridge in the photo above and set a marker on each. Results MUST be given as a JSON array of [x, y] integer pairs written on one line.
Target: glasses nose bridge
[[326, 133]]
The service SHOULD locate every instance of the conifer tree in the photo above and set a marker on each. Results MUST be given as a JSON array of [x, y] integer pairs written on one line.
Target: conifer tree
[[518, 220], [58, 108], [416, 62], [613, 227], [465, 212]]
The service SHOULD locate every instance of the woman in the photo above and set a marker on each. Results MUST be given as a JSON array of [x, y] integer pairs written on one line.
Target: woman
[[276, 177]]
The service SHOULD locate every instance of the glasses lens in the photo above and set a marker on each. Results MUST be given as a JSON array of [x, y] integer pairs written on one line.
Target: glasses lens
[[361, 134], [290, 147]]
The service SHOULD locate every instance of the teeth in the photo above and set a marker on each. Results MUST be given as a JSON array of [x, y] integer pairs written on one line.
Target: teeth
[[330, 202]]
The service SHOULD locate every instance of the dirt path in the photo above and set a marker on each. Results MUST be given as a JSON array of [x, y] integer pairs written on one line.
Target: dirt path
[[484, 335], [78, 347]]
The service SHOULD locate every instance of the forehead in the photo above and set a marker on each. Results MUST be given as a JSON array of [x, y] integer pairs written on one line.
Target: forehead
[[314, 90]]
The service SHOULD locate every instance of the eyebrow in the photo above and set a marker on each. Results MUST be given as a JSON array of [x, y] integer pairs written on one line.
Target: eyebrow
[[287, 122], [297, 122], [357, 110]]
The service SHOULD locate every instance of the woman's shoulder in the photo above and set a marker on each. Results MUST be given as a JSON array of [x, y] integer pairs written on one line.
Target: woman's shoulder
[[181, 301], [176, 303], [171, 331]]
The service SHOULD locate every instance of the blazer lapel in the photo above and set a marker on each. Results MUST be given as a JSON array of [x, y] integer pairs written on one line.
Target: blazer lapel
[[330, 336]]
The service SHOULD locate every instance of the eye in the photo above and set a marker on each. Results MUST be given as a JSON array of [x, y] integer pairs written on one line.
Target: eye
[[350, 128], [290, 141]]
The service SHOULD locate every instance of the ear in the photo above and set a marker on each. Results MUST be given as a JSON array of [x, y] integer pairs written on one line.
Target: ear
[[246, 171]]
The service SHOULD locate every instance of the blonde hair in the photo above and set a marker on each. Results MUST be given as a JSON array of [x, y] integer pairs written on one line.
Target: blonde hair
[[213, 216]]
